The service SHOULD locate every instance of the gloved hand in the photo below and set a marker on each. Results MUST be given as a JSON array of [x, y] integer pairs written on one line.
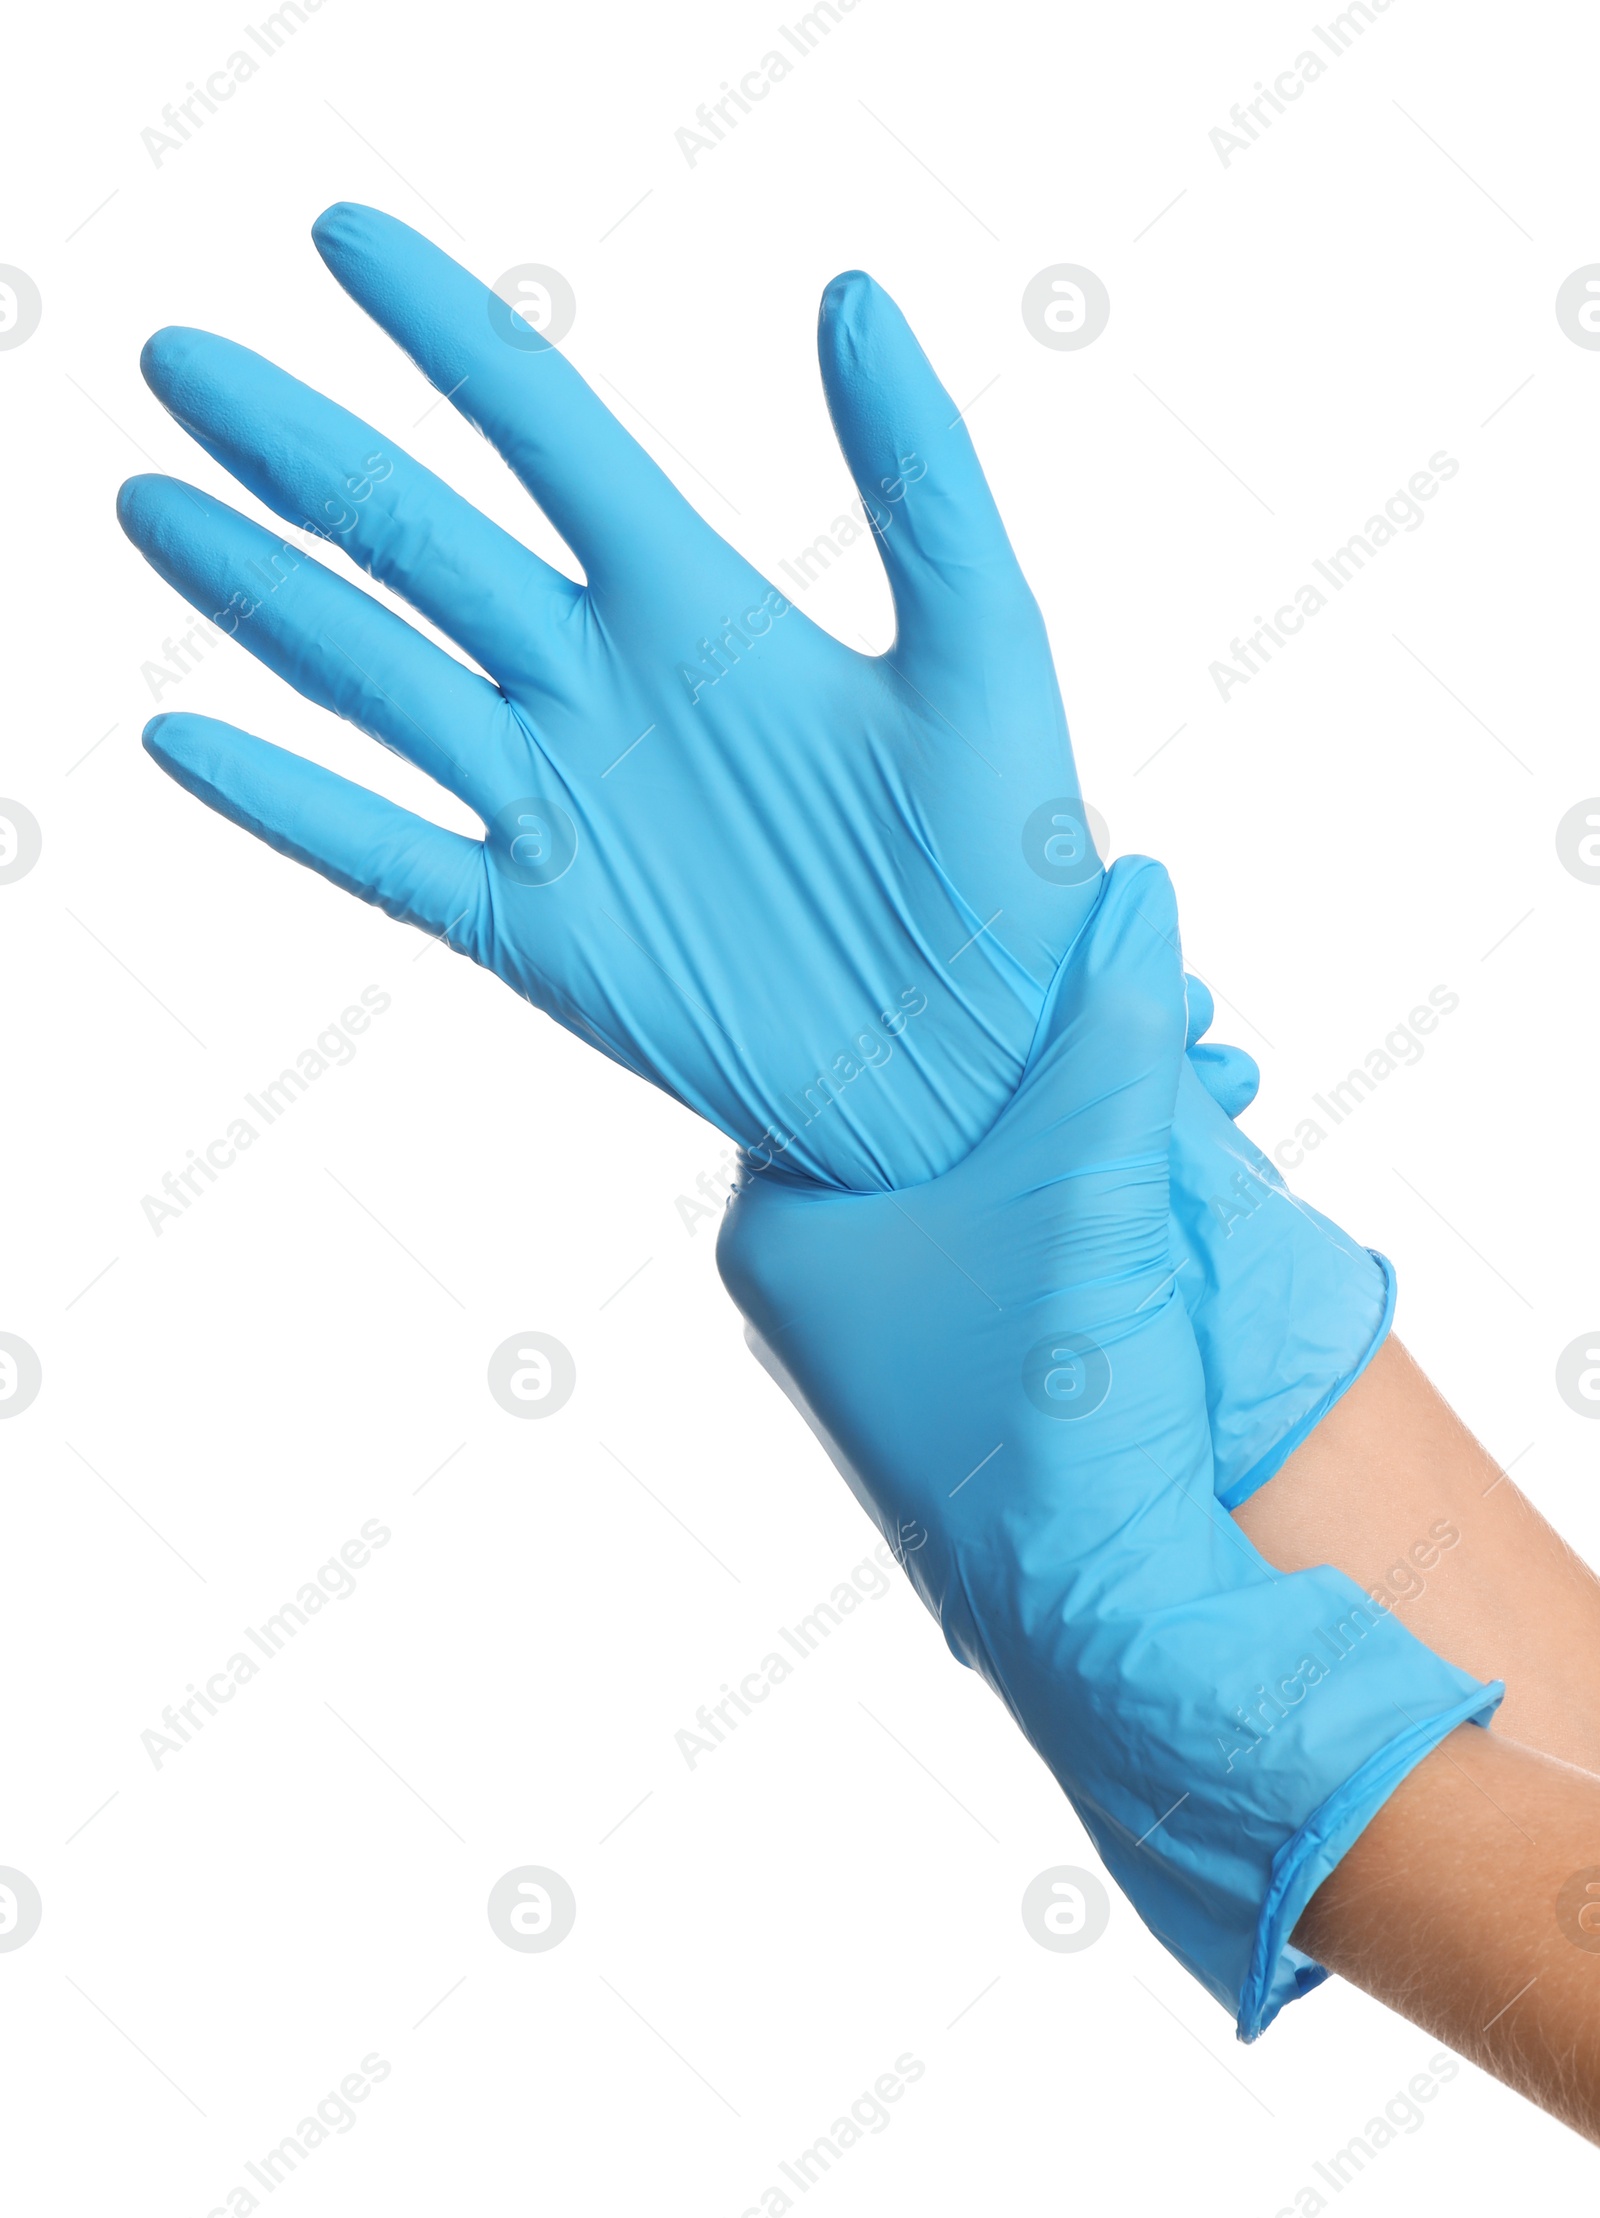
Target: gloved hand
[[1001, 1367], [816, 895], [1287, 1309], [785, 880]]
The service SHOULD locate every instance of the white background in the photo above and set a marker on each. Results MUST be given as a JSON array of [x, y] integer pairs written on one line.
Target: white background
[[757, 1941]]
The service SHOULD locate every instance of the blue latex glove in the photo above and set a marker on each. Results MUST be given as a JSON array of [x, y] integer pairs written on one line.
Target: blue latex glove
[[1287, 1309], [751, 862], [817, 895], [1001, 1367]]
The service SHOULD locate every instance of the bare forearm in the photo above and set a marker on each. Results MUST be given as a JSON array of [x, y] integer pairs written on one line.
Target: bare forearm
[[1471, 1905], [1463, 1905], [1394, 1490]]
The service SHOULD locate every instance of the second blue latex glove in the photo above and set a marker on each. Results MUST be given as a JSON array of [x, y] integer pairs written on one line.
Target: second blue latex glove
[[1001, 1368]]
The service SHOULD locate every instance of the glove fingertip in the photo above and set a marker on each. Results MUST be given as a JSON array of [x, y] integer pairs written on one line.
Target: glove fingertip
[[850, 289], [144, 501], [172, 737], [347, 229], [161, 354], [1230, 1075]]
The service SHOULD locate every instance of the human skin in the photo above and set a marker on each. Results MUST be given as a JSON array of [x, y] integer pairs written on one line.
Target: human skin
[[1471, 1905], [1391, 1467], [1463, 1905]]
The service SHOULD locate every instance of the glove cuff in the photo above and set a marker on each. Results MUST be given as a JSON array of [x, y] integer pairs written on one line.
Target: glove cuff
[[1279, 1972], [1267, 1466]]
